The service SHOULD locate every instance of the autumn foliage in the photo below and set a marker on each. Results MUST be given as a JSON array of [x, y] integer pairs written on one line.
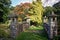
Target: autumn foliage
[[19, 9]]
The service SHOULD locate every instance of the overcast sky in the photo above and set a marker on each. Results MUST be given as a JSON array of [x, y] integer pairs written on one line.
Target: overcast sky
[[49, 2], [45, 2]]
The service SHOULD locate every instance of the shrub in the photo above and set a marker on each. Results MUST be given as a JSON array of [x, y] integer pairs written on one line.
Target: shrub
[[4, 32], [36, 27]]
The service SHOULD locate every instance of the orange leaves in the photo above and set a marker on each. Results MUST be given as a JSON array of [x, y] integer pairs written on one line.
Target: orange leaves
[[19, 9]]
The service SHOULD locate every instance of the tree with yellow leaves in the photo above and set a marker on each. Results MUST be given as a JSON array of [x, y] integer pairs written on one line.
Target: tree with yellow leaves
[[36, 11]]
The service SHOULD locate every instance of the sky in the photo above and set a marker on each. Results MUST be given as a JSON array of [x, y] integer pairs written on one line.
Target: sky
[[49, 2], [16, 2], [45, 2]]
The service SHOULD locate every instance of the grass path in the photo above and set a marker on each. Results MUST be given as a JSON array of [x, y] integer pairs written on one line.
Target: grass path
[[41, 35]]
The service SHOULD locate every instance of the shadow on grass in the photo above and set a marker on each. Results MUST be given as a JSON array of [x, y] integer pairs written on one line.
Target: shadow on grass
[[31, 36]]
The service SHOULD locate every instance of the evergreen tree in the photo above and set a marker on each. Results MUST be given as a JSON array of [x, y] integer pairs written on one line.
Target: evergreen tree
[[57, 7], [48, 10], [4, 9]]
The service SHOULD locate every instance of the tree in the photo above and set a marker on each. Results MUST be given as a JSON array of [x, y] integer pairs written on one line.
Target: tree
[[21, 10], [57, 6], [36, 11], [4, 9], [12, 8], [48, 10]]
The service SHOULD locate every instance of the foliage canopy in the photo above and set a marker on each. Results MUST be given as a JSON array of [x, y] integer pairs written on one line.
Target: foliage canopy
[[57, 7], [36, 11], [4, 9]]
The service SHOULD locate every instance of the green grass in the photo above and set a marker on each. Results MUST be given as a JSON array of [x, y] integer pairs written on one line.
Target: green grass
[[36, 28], [30, 36]]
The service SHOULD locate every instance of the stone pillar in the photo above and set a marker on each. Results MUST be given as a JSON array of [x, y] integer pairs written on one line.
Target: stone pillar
[[51, 28], [13, 28], [25, 26], [55, 26], [28, 21], [15, 20]]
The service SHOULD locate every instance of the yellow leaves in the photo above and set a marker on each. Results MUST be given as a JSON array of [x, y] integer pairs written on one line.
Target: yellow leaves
[[19, 18], [37, 12], [36, 18]]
